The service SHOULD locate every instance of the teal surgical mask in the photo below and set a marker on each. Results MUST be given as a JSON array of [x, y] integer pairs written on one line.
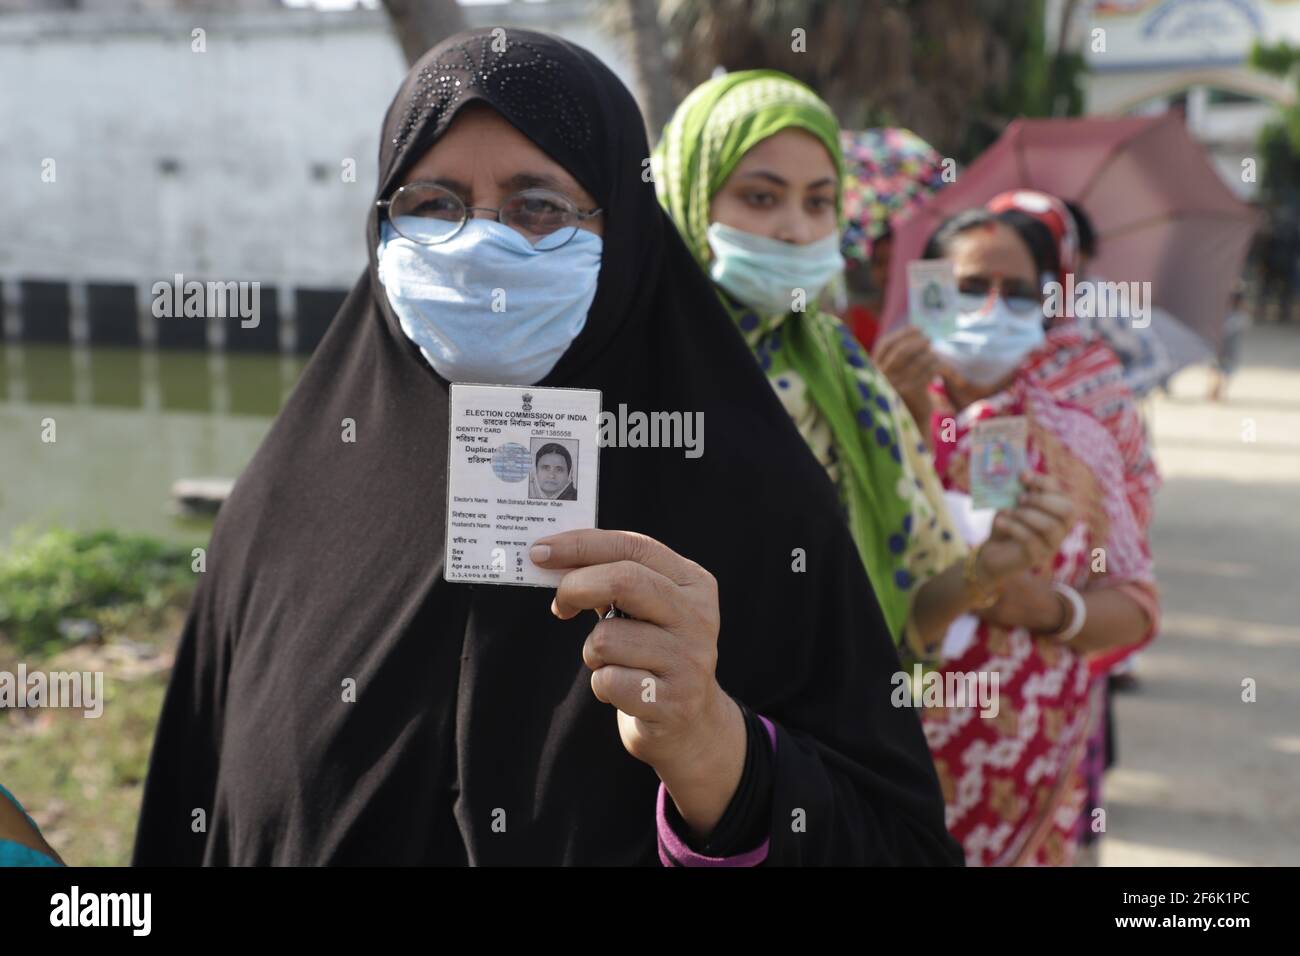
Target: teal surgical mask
[[990, 340], [765, 273]]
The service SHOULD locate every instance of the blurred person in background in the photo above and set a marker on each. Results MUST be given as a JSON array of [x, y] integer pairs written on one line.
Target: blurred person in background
[[1229, 351], [888, 172], [1144, 358], [1017, 784], [1279, 246], [1078, 367], [1085, 376], [750, 168]]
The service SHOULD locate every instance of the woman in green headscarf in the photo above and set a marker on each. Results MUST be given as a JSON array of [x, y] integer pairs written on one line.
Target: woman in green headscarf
[[750, 169]]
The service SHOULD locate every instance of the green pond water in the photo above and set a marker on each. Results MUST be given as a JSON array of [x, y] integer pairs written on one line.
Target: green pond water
[[127, 423]]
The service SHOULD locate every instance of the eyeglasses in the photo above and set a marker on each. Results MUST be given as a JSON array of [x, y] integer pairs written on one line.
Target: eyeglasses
[[430, 215], [1021, 297]]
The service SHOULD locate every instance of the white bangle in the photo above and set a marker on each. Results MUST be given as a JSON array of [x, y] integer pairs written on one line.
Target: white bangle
[[1077, 618]]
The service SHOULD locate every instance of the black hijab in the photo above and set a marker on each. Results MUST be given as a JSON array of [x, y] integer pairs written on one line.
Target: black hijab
[[472, 703]]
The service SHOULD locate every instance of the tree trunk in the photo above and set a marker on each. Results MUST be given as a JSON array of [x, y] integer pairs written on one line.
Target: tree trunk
[[422, 24], [651, 71]]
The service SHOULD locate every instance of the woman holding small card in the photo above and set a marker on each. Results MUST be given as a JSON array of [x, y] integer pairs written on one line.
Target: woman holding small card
[[336, 699], [750, 167], [1014, 783]]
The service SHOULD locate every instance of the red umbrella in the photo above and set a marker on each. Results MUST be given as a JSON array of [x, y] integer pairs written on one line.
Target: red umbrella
[[1160, 210]]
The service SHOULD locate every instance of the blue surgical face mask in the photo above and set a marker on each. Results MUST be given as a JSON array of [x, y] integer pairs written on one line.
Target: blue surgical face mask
[[763, 273], [990, 341], [485, 306]]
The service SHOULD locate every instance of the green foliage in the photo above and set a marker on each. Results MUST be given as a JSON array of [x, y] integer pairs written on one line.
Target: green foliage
[[82, 779], [1279, 151], [1279, 142], [1041, 83], [1276, 58], [953, 71], [102, 576]]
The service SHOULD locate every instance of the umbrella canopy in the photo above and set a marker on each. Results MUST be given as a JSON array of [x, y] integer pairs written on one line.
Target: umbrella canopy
[[1161, 212]]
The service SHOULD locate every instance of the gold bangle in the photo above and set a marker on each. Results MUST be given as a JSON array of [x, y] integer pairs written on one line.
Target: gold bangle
[[982, 599]]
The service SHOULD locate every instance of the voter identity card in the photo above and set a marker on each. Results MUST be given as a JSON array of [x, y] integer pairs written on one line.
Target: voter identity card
[[522, 465], [932, 297], [997, 457]]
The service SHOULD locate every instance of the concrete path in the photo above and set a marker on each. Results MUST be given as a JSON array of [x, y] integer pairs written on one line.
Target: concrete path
[[1203, 777]]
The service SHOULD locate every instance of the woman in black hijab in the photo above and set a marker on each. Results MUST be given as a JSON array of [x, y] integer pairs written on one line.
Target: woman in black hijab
[[335, 700]]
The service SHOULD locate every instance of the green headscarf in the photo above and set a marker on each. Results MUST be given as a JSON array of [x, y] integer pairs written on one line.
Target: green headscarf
[[850, 415]]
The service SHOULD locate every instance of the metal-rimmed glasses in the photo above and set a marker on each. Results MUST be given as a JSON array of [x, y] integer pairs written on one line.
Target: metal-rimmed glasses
[[431, 214]]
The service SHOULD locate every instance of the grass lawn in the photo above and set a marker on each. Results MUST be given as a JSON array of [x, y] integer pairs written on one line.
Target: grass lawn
[[81, 777]]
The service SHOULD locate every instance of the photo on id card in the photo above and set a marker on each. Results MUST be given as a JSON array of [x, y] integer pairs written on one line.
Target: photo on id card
[[997, 457], [523, 463]]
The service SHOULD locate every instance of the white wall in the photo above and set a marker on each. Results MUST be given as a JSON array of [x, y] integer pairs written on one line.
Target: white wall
[[1155, 52], [276, 96]]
